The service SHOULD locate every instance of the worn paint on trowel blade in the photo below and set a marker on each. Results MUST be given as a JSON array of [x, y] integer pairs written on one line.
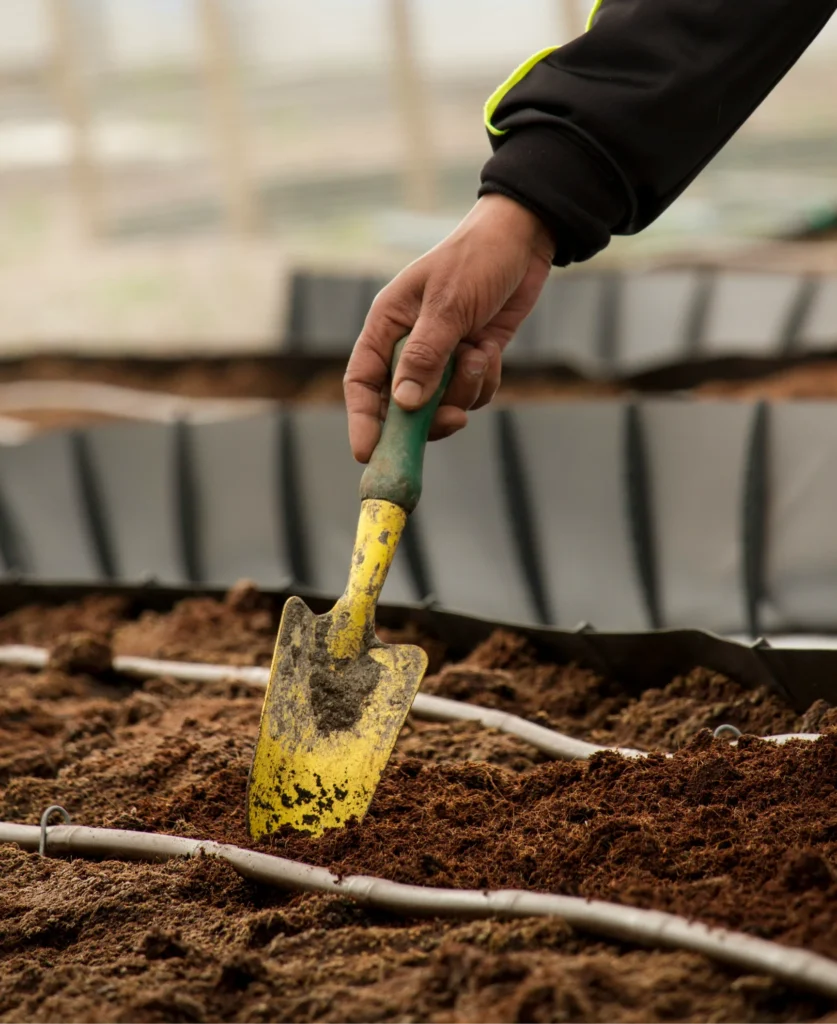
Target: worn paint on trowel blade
[[328, 726]]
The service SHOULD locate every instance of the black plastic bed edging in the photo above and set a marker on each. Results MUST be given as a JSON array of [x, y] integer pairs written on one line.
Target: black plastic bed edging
[[638, 661], [634, 515], [610, 323]]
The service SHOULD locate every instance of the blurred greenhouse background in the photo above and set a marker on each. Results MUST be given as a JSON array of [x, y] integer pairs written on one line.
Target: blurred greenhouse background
[[165, 163]]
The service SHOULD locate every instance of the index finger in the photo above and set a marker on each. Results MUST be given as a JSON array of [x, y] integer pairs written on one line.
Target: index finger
[[392, 315]]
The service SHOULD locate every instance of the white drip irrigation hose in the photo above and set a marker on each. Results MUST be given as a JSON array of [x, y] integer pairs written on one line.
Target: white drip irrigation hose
[[785, 737], [548, 741], [795, 967], [425, 705]]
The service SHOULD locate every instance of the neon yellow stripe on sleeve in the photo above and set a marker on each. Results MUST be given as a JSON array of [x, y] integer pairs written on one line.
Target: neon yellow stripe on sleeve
[[593, 14], [520, 73], [516, 76]]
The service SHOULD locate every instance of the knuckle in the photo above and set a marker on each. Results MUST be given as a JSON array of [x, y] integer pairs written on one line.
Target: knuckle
[[351, 376], [357, 386], [394, 305], [382, 303], [445, 304], [421, 356]]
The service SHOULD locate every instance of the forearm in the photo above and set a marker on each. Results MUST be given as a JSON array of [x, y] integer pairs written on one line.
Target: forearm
[[598, 137]]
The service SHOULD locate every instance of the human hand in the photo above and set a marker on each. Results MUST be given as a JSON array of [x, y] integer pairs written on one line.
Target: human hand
[[467, 295]]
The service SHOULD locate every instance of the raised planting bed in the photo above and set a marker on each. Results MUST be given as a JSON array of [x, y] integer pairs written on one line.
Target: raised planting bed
[[741, 837], [43, 393], [315, 378]]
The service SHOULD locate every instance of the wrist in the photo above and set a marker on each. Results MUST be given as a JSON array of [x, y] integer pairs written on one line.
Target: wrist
[[520, 221], [562, 176]]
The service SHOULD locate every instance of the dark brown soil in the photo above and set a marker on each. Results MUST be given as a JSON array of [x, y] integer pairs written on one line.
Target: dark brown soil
[[745, 838], [810, 380], [296, 380], [313, 380], [210, 378], [289, 381], [285, 379]]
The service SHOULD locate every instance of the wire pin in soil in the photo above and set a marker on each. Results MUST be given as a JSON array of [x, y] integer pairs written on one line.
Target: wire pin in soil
[[727, 731], [48, 813]]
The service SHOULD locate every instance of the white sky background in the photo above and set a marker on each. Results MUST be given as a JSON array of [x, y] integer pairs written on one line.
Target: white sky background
[[302, 36], [297, 38], [452, 35], [22, 32]]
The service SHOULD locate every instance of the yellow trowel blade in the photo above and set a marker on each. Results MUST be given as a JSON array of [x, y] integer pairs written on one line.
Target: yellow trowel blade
[[336, 699], [328, 726]]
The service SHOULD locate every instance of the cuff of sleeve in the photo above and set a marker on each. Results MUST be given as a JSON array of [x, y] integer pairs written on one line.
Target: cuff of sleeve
[[579, 199]]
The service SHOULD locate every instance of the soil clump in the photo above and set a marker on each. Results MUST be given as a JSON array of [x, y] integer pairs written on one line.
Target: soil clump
[[743, 837]]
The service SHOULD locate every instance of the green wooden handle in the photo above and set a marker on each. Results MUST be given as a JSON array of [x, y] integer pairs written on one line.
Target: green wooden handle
[[394, 471]]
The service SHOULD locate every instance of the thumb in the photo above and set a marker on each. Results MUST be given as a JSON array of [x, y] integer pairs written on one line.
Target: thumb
[[430, 345]]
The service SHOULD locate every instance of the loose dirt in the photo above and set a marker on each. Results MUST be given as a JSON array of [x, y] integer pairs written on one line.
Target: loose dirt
[[743, 837]]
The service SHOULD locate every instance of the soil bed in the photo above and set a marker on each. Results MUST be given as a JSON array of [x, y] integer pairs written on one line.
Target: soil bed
[[745, 838], [305, 380]]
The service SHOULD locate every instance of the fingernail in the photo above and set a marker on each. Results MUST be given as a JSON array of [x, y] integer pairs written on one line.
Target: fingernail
[[475, 364], [408, 394]]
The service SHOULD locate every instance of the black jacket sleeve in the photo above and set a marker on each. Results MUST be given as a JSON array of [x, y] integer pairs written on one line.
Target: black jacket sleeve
[[602, 134]]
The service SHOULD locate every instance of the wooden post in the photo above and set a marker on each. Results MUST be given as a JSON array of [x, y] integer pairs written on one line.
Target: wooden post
[[67, 73], [419, 171], [227, 113]]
